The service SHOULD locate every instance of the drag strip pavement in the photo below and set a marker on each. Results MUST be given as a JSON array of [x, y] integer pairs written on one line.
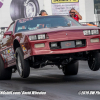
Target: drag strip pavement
[[54, 83]]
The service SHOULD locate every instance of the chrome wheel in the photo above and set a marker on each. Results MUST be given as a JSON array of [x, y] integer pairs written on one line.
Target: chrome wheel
[[30, 10], [22, 64], [19, 66]]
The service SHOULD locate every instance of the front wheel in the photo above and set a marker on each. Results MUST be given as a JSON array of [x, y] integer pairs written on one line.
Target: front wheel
[[94, 61], [71, 68], [22, 64]]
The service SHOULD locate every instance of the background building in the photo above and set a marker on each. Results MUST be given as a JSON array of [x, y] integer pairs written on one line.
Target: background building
[[11, 10], [89, 9]]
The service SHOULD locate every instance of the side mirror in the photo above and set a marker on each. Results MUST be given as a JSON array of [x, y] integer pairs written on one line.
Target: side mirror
[[9, 33]]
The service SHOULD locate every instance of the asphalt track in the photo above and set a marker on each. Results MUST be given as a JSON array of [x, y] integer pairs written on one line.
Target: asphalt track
[[54, 83]]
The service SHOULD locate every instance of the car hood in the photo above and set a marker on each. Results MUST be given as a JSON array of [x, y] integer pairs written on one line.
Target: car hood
[[49, 30]]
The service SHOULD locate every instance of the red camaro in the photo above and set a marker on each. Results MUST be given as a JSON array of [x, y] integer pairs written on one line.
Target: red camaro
[[48, 40]]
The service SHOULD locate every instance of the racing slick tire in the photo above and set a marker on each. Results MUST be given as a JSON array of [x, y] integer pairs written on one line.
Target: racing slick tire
[[5, 73], [24, 9], [71, 68], [22, 64], [94, 61]]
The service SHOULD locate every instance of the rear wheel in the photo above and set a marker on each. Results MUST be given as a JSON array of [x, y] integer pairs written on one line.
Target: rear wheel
[[71, 68], [5, 73], [22, 64], [94, 61]]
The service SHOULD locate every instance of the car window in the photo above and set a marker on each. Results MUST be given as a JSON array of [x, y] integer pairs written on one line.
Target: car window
[[45, 22], [11, 28]]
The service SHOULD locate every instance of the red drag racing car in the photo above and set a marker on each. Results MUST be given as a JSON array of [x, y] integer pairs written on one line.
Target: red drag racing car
[[48, 40]]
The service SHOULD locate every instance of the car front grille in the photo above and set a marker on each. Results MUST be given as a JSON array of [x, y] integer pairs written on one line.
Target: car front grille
[[68, 44]]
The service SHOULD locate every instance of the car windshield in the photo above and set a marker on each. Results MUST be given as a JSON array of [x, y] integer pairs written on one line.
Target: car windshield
[[29, 24]]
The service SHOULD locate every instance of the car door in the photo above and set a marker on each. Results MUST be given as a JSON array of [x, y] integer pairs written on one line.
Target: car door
[[7, 46]]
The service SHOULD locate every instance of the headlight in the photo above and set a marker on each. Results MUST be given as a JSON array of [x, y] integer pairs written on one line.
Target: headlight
[[53, 45], [41, 45], [38, 37], [87, 32], [41, 36], [91, 32], [94, 40], [33, 37], [78, 42], [94, 32]]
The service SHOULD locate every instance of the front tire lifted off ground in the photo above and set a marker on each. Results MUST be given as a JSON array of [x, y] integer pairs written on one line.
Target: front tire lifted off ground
[[94, 61]]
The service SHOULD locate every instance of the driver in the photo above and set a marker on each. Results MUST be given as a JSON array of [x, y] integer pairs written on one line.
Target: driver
[[42, 13]]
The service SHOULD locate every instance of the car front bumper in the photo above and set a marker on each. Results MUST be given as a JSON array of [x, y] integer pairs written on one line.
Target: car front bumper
[[46, 50]]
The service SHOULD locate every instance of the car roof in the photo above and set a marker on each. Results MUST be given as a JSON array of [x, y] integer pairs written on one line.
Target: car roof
[[43, 17]]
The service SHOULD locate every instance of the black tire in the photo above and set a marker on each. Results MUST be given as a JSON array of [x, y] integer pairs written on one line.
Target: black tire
[[17, 8], [71, 68], [24, 68], [94, 61], [5, 73]]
